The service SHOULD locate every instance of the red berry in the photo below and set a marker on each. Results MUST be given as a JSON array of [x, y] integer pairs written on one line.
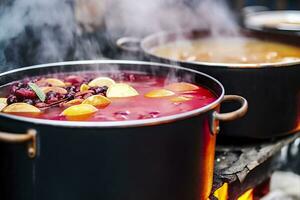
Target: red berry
[[25, 93]]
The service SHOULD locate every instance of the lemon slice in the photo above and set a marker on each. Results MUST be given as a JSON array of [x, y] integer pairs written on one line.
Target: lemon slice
[[181, 87], [21, 108], [159, 93], [102, 81], [84, 87], [3, 100], [97, 100], [81, 109], [73, 102], [121, 90], [2, 105], [54, 89], [179, 99], [55, 82]]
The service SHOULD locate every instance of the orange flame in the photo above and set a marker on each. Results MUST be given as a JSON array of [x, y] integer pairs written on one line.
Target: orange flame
[[222, 192], [248, 195]]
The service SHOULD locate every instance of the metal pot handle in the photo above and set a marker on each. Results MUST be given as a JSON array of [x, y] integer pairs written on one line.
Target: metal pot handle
[[129, 44], [230, 116], [29, 137]]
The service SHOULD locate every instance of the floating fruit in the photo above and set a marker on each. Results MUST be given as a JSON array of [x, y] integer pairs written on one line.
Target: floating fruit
[[102, 81], [54, 89], [97, 100], [81, 109], [55, 82], [181, 98], [84, 87], [21, 108], [121, 90], [73, 102], [159, 93], [2, 105], [3, 100], [181, 87]]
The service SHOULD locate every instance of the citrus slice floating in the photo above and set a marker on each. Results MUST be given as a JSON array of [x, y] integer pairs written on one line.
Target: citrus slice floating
[[121, 90], [159, 93], [101, 81], [84, 87], [180, 99], [3, 100], [2, 105], [181, 87], [97, 100], [54, 89], [73, 102], [55, 82], [21, 108], [77, 110]]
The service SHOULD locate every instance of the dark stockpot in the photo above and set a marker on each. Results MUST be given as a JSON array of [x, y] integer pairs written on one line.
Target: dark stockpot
[[272, 90], [164, 158]]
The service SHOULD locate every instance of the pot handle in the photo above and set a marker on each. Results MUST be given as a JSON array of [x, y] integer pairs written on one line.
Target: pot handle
[[230, 116], [29, 137], [129, 44]]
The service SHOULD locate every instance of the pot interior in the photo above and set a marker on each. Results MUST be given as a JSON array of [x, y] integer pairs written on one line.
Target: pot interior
[[182, 75], [269, 49]]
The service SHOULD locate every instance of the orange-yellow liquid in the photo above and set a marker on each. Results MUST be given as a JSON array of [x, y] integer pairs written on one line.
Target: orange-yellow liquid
[[228, 50]]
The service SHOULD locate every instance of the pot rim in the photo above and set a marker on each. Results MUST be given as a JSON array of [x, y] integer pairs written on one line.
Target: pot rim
[[115, 124], [283, 14], [165, 34]]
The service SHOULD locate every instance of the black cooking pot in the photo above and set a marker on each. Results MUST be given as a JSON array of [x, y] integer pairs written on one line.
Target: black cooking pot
[[272, 90], [163, 158]]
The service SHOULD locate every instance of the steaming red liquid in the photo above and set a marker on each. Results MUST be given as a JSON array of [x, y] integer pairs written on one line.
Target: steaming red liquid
[[137, 107]]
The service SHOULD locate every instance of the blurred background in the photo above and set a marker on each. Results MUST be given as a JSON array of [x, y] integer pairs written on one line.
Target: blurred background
[[41, 31]]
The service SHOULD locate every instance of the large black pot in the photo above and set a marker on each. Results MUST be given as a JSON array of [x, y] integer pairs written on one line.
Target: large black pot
[[272, 90], [164, 158]]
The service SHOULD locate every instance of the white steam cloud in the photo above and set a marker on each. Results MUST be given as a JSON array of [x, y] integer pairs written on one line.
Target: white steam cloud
[[56, 30]]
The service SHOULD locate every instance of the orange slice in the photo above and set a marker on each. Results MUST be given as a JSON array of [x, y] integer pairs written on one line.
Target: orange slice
[[121, 90], [102, 81], [159, 93], [3, 103], [84, 87], [54, 89], [55, 82], [21, 108], [77, 110], [97, 100], [181, 87], [3, 100], [73, 102]]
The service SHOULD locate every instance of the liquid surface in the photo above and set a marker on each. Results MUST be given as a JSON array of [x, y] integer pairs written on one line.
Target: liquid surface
[[228, 50], [142, 105]]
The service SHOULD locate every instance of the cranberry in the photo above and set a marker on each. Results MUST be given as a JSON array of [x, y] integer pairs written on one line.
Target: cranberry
[[29, 101], [97, 90], [69, 96], [72, 89], [25, 93], [11, 99], [50, 95]]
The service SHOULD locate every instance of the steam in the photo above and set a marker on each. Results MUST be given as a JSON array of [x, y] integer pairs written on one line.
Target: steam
[[41, 31], [145, 17]]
